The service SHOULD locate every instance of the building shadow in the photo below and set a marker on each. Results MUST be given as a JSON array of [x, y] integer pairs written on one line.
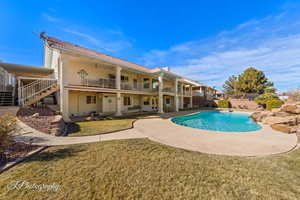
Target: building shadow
[[56, 154]]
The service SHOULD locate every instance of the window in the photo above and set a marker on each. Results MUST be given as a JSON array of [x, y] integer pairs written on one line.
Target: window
[[111, 76], [127, 101], [90, 99], [154, 84], [168, 101], [146, 83], [146, 100], [83, 76], [124, 78]]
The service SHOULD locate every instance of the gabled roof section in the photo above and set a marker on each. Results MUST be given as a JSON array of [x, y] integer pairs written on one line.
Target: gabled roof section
[[62, 45]]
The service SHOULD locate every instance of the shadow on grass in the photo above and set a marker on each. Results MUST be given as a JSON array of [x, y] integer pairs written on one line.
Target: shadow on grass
[[73, 128], [56, 154]]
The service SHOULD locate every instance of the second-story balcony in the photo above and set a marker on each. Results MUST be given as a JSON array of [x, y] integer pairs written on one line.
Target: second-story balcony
[[168, 89], [101, 83], [129, 86], [198, 93]]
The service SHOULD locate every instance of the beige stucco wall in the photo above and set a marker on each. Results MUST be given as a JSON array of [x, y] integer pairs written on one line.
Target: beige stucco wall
[[95, 71], [169, 84], [78, 105], [135, 100], [51, 60], [106, 103]]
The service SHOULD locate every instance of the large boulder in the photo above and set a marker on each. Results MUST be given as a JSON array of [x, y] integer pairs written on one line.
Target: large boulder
[[290, 120], [281, 114], [283, 128], [259, 116], [57, 126], [291, 108]]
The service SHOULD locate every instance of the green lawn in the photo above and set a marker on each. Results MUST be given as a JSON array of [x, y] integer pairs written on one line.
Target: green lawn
[[99, 127], [103, 126], [142, 169]]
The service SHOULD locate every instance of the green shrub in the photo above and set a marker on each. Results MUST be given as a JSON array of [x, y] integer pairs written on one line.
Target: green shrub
[[263, 98], [274, 103], [135, 107], [223, 103]]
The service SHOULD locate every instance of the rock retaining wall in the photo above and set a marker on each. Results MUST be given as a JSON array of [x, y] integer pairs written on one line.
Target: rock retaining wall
[[285, 119]]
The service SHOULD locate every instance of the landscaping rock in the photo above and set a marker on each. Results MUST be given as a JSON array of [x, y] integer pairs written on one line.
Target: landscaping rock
[[291, 108], [260, 109], [36, 115], [281, 114], [88, 118], [291, 120], [57, 125], [57, 119], [286, 119], [283, 128], [296, 129], [259, 116]]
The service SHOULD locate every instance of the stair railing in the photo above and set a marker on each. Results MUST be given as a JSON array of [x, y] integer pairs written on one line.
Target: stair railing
[[34, 89]]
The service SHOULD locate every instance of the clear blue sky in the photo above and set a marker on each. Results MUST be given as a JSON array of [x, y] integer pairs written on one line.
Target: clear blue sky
[[204, 40]]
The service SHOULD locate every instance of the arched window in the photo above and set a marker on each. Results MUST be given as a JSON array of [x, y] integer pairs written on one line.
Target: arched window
[[83, 76]]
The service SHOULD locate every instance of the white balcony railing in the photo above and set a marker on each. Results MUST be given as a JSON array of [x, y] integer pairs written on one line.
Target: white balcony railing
[[129, 86], [101, 83], [168, 89], [198, 93]]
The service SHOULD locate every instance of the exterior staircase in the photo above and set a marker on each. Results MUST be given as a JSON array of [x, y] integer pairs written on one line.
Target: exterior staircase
[[37, 90], [6, 98]]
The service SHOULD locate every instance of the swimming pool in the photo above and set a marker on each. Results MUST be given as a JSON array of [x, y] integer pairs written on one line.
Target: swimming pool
[[219, 121]]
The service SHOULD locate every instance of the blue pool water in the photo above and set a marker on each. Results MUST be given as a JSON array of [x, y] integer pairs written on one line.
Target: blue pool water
[[219, 121]]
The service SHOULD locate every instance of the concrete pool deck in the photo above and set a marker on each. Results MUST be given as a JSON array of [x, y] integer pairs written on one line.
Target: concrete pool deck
[[258, 143], [160, 129]]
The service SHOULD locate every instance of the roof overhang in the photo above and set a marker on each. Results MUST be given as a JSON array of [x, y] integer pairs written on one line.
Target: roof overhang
[[25, 70]]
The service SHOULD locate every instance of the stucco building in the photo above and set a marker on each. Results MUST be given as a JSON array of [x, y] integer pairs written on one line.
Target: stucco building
[[86, 82]]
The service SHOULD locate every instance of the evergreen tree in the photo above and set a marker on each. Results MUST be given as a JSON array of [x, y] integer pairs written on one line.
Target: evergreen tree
[[230, 85], [253, 81]]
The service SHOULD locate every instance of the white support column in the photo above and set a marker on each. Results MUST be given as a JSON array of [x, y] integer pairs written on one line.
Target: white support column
[[118, 77], [176, 96], [64, 93], [19, 91], [119, 104], [182, 92], [160, 94], [141, 102], [118, 87], [191, 96]]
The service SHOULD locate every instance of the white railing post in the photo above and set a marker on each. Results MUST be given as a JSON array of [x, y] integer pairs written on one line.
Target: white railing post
[[34, 89]]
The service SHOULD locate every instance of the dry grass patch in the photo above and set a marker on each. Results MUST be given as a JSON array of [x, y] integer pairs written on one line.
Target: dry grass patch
[[142, 169]]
